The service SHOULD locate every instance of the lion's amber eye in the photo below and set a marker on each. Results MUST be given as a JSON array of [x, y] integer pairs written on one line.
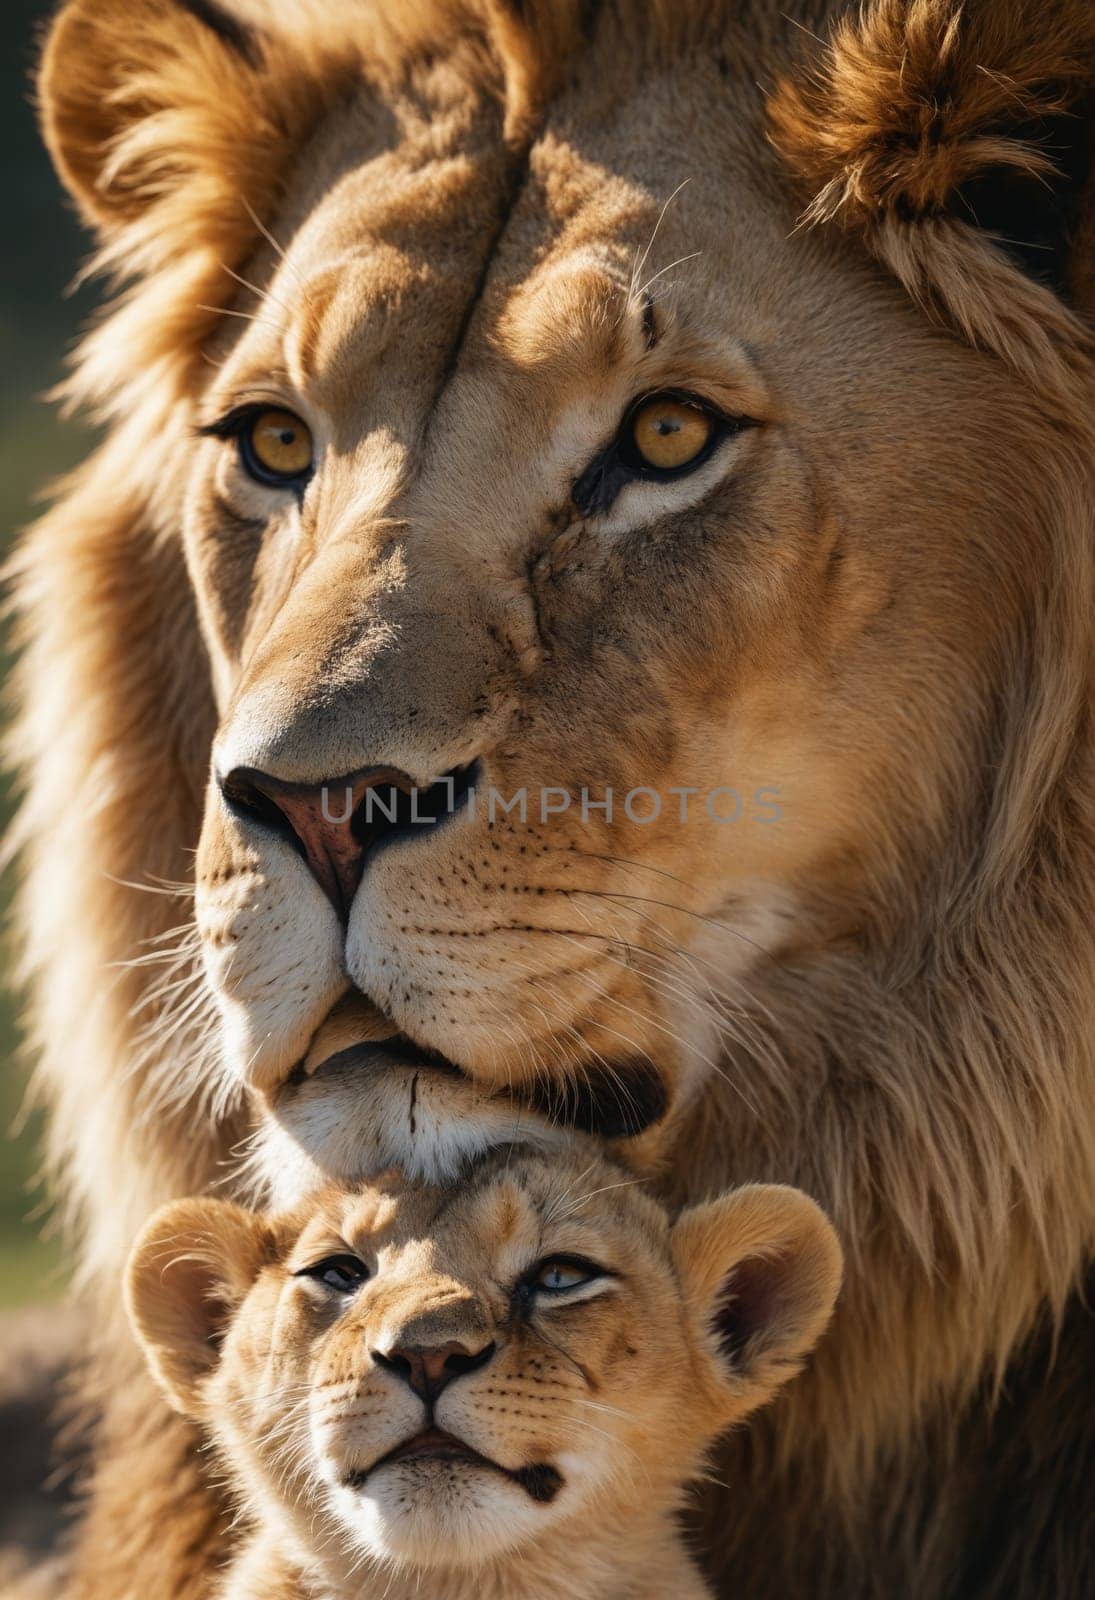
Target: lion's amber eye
[[667, 433], [276, 447]]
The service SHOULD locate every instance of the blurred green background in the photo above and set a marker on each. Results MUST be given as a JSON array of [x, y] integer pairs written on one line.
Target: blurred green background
[[38, 322]]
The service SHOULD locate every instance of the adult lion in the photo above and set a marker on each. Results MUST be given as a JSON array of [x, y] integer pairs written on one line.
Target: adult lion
[[666, 397]]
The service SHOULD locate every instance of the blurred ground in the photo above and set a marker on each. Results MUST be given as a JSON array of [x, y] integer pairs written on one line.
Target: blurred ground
[[37, 1348]]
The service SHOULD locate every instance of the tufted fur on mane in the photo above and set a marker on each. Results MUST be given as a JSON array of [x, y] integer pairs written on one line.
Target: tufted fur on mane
[[177, 166], [896, 121], [172, 168]]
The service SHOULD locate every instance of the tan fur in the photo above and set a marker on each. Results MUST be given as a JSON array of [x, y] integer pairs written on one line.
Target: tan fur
[[617, 1388], [878, 601]]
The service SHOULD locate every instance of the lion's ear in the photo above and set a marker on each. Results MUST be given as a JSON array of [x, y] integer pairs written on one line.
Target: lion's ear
[[760, 1270], [190, 1268], [177, 106], [955, 137]]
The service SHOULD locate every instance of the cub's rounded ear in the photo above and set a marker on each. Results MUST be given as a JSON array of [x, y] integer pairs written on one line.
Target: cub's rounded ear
[[760, 1270], [189, 1269], [954, 137]]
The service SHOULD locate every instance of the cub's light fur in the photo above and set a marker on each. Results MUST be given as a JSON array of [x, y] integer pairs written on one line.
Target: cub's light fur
[[588, 1410], [465, 261]]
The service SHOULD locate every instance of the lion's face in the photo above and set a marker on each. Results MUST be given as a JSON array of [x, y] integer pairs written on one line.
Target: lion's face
[[526, 457], [439, 1375], [480, 578]]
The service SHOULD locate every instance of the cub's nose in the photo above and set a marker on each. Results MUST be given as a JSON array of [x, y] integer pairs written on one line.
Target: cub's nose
[[429, 1369], [334, 824]]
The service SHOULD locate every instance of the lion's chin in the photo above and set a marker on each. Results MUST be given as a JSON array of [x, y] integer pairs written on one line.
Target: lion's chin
[[440, 1508]]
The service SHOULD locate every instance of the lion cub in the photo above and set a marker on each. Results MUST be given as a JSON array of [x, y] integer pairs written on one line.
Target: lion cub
[[491, 1390]]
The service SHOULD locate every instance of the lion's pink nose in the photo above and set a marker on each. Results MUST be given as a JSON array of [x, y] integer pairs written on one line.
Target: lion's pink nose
[[333, 824], [337, 823]]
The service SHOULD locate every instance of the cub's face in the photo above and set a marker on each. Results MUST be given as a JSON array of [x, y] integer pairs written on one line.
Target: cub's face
[[440, 1376], [470, 1360]]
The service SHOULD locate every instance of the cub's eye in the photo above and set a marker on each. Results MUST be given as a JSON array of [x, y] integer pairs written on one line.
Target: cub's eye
[[560, 1273], [276, 447], [344, 1274], [666, 434]]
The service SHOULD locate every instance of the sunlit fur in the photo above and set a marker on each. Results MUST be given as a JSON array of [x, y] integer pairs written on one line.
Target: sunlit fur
[[880, 602], [616, 1387]]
